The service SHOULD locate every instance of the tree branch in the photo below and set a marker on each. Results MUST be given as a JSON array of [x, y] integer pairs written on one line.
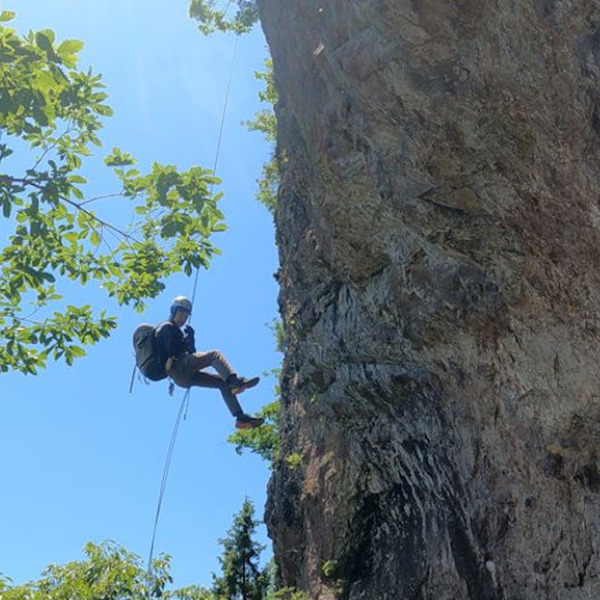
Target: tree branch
[[49, 148], [103, 197], [8, 179]]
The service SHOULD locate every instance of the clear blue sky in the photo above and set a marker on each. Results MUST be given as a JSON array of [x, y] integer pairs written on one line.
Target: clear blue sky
[[80, 458]]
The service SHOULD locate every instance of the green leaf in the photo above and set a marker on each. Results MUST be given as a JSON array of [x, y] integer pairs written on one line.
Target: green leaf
[[44, 39], [118, 159], [77, 351], [7, 15], [70, 47], [69, 60], [40, 117], [105, 111], [95, 237], [77, 179]]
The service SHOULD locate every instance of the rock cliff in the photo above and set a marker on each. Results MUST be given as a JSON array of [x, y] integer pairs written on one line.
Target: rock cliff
[[439, 235]]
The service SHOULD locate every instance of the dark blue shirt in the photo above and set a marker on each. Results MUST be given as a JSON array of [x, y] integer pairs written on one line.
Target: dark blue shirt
[[172, 341]]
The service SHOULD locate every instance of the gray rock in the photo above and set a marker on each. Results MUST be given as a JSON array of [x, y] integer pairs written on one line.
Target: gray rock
[[438, 227]]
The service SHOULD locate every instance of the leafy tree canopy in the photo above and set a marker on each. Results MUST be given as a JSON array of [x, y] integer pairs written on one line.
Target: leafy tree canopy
[[108, 573], [263, 440], [265, 122], [50, 116], [224, 15]]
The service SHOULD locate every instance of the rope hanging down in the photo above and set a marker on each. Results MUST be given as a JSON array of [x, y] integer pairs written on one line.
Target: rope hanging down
[[163, 483], [185, 401]]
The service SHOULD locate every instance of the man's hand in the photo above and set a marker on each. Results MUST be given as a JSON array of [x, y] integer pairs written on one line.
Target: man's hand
[[190, 341]]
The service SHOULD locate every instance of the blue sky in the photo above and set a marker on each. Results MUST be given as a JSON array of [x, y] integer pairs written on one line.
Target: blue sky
[[80, 458]]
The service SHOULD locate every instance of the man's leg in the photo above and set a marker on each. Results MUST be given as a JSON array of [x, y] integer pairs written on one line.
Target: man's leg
[[207, 380], [211, 358], [216, 360], [186, 373]]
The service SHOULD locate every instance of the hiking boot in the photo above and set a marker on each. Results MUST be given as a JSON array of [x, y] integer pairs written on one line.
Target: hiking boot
[[245, 421], [237, 385]]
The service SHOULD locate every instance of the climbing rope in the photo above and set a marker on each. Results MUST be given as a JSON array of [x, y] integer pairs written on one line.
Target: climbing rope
[[185, 401], [233, 54], [163, 483]]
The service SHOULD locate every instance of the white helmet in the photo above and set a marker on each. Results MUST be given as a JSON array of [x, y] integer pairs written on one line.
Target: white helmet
[[181, 303]]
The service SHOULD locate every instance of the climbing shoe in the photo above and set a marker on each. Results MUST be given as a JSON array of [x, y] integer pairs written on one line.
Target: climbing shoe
[[237, 385], [247, 422]]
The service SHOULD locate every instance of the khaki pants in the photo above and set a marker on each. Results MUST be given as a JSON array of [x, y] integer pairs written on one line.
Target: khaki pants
[[187, 372]]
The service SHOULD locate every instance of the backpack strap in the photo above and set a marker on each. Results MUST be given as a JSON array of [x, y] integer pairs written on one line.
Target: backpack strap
[[132, 377]]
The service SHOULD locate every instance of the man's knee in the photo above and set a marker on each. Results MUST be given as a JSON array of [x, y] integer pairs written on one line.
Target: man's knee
[[216, 356]]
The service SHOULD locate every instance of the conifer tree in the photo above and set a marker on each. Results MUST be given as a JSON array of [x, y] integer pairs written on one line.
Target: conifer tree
[[242, 578]]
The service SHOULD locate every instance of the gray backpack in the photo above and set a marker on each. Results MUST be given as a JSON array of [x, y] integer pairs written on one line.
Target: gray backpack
[[147, 356]]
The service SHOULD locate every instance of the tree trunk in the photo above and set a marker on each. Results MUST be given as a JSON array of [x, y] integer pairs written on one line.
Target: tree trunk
[[438, 227]]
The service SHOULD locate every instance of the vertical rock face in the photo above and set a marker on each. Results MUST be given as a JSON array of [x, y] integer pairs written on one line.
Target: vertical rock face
[[439, 232]]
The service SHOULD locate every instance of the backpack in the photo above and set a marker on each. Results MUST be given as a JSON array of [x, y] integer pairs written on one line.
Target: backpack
[[147, 356]]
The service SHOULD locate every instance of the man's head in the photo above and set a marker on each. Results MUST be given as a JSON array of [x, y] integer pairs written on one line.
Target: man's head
[[181, 309]]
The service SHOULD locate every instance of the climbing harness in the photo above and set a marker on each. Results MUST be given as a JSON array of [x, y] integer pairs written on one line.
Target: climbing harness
[[183, 409]]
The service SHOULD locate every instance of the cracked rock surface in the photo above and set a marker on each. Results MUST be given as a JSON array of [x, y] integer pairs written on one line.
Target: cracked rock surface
[[439, 236]]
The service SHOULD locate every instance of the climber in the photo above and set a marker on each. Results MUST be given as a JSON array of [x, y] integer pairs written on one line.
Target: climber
[[185, 366]]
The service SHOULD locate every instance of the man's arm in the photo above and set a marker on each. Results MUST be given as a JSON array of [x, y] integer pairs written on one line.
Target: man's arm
[[170, 341], [189, 338]]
